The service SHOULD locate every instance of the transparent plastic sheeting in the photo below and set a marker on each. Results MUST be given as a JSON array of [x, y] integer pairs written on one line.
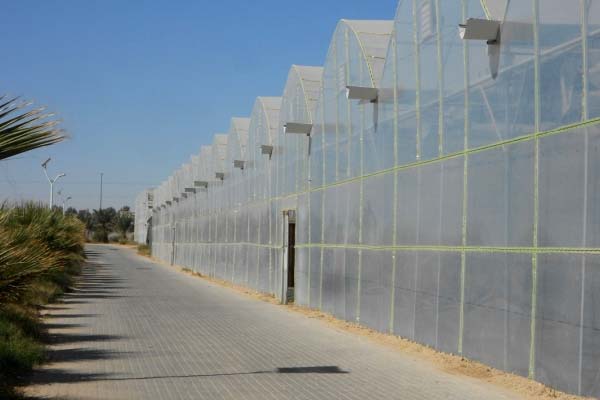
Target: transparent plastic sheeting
[[460, 210], [143, 214]]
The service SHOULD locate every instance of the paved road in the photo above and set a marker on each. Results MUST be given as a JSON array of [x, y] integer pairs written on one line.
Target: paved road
[[138, 330]]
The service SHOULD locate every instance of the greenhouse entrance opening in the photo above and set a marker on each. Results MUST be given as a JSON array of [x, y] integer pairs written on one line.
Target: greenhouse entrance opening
[[289, 240]]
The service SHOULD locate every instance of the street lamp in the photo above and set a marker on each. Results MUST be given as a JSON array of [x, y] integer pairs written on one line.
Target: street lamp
[[51, 181], [64, 202]]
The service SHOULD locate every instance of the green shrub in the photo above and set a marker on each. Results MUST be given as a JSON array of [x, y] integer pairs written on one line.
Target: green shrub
[[35, 241], [20, 349], [40, 252], [100, 235], [18, 352], [24, 318]]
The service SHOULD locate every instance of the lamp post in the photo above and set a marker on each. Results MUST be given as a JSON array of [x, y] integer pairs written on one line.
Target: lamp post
[[51, 181], [64, 202]]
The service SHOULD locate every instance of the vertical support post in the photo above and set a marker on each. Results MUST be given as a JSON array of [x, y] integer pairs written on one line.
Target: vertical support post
[[534, 257], [463, 255], [284, 265], [417, 65], [584, 117], [395, 177], [173, 244]]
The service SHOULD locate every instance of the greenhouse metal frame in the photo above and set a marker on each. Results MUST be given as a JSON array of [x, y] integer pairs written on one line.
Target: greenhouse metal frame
[[436, 188]]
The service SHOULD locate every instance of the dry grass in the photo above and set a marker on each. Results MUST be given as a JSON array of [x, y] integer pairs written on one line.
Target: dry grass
[[143, 249], [242, 289], [522, 387]]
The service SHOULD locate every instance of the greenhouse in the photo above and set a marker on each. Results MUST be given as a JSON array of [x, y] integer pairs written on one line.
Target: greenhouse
[[436, 179], [143, 214]]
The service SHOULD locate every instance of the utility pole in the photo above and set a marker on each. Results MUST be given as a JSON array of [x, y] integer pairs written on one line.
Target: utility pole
[[51, 181], [101, 175]]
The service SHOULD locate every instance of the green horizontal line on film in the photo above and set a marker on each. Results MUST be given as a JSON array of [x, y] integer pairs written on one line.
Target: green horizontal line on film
[[270, 246], [523, 138], [457, 249], [446, 249], [519, 139]]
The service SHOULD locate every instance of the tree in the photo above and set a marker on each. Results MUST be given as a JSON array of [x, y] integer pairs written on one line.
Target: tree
[[23, 129], [124, 221], [103, 223], [71, 212], [85, 216]]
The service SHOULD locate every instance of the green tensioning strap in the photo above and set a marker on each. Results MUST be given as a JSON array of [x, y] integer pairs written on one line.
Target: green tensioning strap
[[434, 248], [524, 138], [395, 209], [534, 258], [488, 15], [584, 50], [322, 206], [520, 139], [463, 256], [458, 249], [417, 79], [440, 73], [584, 116]]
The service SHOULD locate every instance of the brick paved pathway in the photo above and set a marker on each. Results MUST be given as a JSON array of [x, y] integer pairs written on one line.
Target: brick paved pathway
[[138, 330]]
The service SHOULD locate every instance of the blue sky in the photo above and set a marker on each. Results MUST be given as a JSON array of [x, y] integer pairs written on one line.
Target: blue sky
[[141, 85]]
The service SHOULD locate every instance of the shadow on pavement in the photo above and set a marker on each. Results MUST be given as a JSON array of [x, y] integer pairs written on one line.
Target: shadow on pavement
[[91, 296], [327, 369], [63, 377], [51, 325], [85, 354], [50, 376], [64, 338], [71, 315]]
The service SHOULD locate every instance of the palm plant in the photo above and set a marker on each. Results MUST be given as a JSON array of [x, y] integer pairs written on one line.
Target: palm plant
[[22, 259], [35, 241], [23, 129], [103, 221]]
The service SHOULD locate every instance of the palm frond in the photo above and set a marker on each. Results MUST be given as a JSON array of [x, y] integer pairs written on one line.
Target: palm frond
[[23, 129], [35, 241]]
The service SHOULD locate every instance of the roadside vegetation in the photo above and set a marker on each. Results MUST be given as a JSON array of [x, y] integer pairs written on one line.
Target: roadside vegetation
[[106, 225], [41, 251]]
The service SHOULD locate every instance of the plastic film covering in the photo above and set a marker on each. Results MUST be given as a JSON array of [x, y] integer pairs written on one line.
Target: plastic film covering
[[458, 209], [335, 278], [290, 170], [143, 216]]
